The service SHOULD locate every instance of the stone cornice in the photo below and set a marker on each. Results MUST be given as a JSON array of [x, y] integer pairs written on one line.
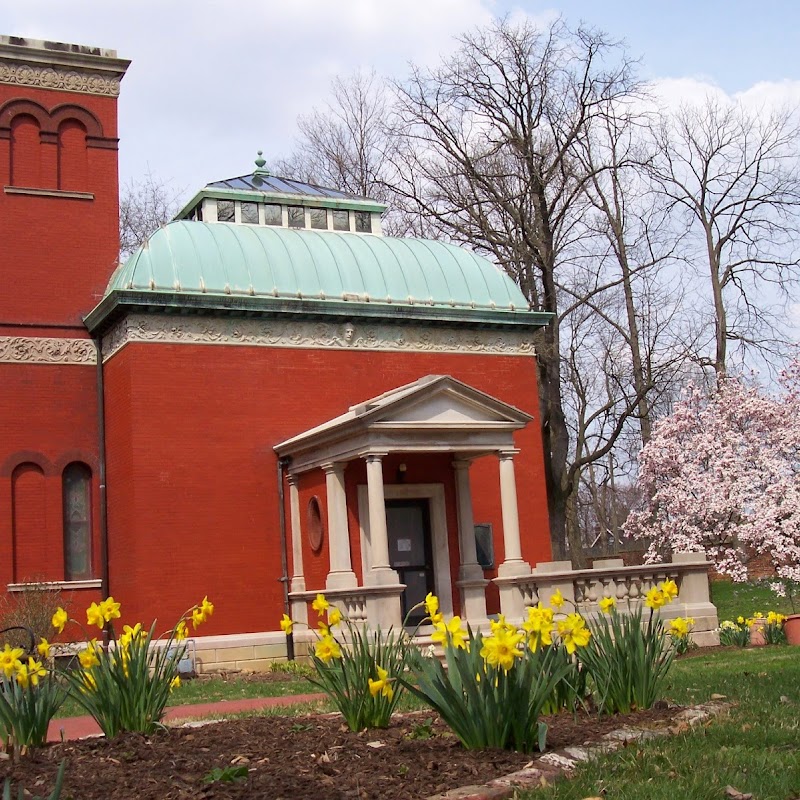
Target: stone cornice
[[43, 350], [173, 329], [65, 80]]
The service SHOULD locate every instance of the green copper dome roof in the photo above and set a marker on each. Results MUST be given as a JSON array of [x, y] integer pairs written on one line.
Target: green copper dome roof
[[237, 269], [226, 259]]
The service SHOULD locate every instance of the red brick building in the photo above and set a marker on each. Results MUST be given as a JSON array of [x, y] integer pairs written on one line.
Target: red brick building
[[268, 399]]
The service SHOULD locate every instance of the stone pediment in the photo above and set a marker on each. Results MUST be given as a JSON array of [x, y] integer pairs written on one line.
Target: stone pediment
[[434, 414]]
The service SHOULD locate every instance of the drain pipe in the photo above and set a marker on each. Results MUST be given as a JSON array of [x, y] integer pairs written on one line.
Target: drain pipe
[[101, 457], [282, 464]]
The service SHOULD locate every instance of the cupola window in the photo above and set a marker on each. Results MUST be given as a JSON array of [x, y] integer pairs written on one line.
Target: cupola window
[[363, 222], [226, 211], [319, 218], [272, 214], [297, 217], [250, 213], [341, 220]]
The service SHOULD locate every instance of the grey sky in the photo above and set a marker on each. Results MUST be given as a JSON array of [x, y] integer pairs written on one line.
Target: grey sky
[[212, 81]]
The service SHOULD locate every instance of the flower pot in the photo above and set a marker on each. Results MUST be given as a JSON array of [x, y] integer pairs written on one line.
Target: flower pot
[[791, 627], [757, 632]]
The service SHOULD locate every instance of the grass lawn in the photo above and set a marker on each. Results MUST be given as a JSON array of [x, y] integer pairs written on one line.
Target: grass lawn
[[212, 689], [733, 599], [755, 748]]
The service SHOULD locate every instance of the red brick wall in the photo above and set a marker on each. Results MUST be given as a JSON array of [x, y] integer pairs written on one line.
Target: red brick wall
[[57, 256], [62, 250], [192, 475]]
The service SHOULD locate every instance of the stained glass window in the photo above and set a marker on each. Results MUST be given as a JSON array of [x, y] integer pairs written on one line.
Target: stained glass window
[[77, 482]]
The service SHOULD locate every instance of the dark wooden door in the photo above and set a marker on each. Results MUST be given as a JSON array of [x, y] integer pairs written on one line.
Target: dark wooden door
[[410, 551]]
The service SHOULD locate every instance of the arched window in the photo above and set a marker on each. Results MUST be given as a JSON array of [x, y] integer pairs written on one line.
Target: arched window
[[77, 486], [72, 156], [26, 166], [28, 522]]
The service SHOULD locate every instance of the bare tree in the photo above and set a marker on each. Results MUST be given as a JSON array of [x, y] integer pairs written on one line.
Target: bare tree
[[491, 159], [348, 145], [144, 206], [732, 178]]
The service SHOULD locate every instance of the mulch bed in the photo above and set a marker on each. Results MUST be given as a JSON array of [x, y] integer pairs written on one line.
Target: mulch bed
[[292, 757]]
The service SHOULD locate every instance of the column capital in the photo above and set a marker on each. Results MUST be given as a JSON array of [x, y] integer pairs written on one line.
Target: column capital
[[372, 457], [507, 454], [333, 467], [292, 478], [462, 463]]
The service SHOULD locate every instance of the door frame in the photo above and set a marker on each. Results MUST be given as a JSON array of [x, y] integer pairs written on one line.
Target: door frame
[[434, 494]]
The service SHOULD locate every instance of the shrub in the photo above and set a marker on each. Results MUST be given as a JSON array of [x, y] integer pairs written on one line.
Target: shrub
[[125, 686], [32, 610], [628, 661], [360, 669], [30, 696], [495, 688]]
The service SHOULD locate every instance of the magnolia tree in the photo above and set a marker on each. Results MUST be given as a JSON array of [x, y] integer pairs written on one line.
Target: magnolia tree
[[722, 474]]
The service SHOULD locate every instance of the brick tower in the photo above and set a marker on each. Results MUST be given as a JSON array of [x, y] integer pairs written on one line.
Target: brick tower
[[58, 248]]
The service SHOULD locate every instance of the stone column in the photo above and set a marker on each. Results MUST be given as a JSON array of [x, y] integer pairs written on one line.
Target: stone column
[[298, 584], [384, 609], [471, 581], [511, 602], [379, 537], [341, 575]]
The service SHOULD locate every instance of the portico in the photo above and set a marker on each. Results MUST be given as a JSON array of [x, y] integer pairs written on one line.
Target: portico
[[437, 417]]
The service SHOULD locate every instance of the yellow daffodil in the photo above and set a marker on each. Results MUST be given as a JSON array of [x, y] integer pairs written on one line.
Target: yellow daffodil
[[573, 632], [655, 598], [23, 679], [207, 607], [670, 589], [431, 604], [90, 657], [10, 659], [437, 618], [539, 626], [740, 619], [286, 624], [501, 624], [43, 648], [35, 670], [327, 648], [501, 648], [59, 619], [320, 604], [129, 634], [175, 683], [109, 609], [451, 631], [381, 686], [94, 615], [607, 604], [557, 599], [181, 631], [334, 616], [679, 627], [323, 629]]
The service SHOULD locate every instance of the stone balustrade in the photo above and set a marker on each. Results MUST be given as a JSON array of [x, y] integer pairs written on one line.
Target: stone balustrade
[[583, 589]]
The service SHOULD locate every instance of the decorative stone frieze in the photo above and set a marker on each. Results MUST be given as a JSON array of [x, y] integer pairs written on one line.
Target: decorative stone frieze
[[62, 79], [313, 335], [41, 350]]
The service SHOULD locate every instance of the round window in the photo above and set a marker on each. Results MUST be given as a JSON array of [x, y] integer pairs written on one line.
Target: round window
[[316, 531]]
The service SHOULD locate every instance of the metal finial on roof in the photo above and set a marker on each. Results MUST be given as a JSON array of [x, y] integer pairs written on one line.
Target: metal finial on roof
[[260, 165]]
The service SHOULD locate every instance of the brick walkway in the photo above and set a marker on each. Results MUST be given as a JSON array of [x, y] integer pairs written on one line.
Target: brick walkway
[[78, 727]]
